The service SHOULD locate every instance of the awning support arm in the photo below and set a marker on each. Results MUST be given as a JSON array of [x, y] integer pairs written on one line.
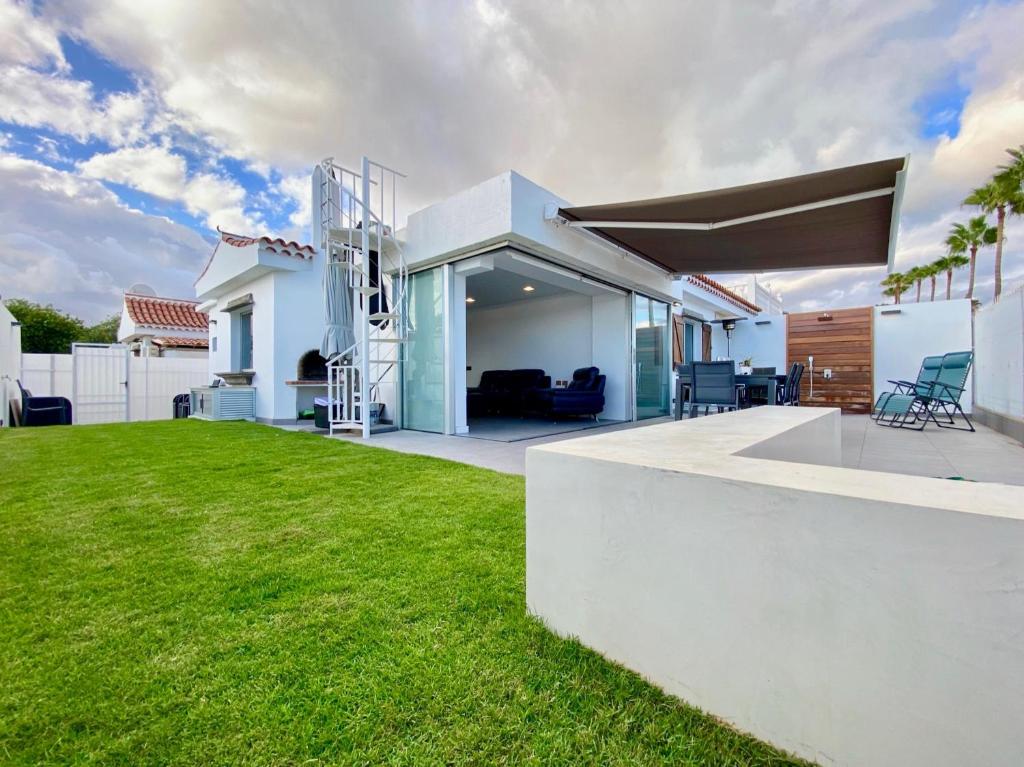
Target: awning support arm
[[708, 226]]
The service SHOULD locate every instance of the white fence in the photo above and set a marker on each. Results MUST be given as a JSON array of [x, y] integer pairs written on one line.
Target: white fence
[[152, 384]]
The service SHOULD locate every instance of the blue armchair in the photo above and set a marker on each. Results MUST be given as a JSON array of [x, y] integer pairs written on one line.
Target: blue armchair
[[44, 411]]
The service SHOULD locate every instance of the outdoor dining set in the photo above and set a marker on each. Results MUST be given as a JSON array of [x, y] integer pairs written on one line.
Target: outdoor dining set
[[717, 385]]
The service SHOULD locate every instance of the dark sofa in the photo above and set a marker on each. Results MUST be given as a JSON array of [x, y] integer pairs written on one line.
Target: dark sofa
[[504, 392], [583, 396]]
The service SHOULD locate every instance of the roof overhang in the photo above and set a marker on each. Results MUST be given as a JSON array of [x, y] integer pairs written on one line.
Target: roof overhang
[[834, 218]]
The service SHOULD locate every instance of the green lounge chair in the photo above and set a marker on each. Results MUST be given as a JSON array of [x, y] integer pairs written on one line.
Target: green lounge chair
[[929, 370], [939, 404]]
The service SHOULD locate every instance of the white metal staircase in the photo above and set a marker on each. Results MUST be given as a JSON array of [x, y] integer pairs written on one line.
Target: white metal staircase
[[357, 216]]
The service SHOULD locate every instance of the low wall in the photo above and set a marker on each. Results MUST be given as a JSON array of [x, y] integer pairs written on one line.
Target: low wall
[[851, 617]]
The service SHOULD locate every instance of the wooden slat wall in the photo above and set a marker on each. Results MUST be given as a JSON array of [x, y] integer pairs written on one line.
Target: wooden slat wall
[[843, 344]]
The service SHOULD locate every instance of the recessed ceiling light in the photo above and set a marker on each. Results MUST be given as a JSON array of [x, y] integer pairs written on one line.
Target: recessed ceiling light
[[470, 300], [528, 288]]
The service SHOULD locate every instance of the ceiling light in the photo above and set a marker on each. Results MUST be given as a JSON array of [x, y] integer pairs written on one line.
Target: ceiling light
[[528, 288], [470, 300]]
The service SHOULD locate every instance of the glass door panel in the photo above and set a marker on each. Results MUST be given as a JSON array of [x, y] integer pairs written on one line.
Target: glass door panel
[[653, 356], [423, 371]]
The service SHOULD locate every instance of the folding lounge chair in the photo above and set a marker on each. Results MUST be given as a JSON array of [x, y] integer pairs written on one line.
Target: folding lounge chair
[[939, 404], [929, 369]]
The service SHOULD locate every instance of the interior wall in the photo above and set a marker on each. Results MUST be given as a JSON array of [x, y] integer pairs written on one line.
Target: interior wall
[[551, 333]]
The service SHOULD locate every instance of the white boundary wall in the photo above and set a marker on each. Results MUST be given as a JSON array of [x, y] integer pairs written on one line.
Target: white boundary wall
[[10, 361], [852, 617], [152, 381], [999, 367]]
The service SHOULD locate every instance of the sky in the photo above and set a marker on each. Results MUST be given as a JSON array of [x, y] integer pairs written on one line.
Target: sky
[[130, 130]]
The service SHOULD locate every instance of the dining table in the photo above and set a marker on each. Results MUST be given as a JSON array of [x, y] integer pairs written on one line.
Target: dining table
[[751, 381]]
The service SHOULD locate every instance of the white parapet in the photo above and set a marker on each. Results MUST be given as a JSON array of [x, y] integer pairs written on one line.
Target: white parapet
[[850, 617]]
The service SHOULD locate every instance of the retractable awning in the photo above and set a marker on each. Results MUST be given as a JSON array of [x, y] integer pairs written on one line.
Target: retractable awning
[[843, 217]]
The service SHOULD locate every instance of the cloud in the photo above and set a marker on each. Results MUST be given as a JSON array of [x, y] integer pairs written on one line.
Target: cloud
[[100, 247], [595, 100], [25, 39], [157, 171]]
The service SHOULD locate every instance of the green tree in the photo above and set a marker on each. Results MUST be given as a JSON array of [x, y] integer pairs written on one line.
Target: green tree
[[916, 276], [44, 329], [947, 264], [1002, 195], [895, 285], [969, 237], [104, 332]]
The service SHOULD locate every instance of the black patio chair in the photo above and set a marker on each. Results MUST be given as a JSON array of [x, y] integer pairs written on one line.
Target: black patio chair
[[713, 384], [762, 393], [44, 411], [790, 392]]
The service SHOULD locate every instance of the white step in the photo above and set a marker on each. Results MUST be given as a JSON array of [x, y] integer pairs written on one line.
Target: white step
[[368, 291], [385, 316]]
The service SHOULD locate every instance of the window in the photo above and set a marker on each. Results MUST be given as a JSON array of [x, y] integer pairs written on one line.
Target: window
[[688, 343], [245, 340]]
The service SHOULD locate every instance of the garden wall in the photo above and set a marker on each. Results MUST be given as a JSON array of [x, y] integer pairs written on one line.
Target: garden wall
[[851, 617], [999, 364]]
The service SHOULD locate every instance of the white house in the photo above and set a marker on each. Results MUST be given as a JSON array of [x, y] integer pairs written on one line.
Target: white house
[[263, 298], [506, 276], [163, 327], [10, 361]]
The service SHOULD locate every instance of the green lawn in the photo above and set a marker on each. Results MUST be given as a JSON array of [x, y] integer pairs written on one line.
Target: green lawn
[[200, 593]]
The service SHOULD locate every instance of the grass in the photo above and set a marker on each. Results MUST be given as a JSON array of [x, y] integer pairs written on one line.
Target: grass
[[199, 593]]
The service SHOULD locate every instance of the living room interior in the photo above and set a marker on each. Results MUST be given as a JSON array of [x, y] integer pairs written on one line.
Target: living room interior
[[547, 350]]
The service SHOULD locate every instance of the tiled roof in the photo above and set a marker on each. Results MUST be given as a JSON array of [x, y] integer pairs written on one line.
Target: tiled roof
[[170, 313], [275, 244], [718, 289], [175, 341]]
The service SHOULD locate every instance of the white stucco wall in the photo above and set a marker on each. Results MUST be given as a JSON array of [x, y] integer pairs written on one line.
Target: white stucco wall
[[510, 208], [764, 343], [999, 356], [902, 340], [852, 617]]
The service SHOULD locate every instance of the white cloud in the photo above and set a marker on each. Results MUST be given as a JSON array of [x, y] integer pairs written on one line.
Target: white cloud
[[98, 248], [157, 171], [597, 101], [26, 39]]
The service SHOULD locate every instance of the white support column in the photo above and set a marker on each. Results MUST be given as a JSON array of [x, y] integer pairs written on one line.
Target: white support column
[[364, 316]]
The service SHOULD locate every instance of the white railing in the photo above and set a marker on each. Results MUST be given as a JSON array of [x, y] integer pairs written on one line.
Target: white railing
[[358, 217]]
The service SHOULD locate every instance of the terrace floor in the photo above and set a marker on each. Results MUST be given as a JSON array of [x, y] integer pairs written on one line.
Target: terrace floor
[[984, 456]]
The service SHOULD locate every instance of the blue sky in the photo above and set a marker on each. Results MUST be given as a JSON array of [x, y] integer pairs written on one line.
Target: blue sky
[[129, 132]]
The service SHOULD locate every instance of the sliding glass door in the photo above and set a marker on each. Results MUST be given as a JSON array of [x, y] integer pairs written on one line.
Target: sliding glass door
[[423, 391], [653, 356]]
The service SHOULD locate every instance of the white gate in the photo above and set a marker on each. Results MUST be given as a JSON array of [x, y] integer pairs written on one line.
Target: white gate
[[99, 383]]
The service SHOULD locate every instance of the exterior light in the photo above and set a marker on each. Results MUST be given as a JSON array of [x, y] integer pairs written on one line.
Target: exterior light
[[470, 300], [528, 288]]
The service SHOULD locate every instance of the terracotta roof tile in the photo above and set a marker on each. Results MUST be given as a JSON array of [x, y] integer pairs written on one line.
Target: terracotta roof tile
[[177, 341], [170, 313], [718, 289]]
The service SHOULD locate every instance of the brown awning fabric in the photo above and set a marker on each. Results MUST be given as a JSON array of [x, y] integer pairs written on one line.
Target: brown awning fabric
[[844, 217]]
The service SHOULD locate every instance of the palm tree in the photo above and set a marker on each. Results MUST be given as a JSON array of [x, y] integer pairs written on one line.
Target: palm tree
[[1001, 194], [975, 234], [947, 264], [895, 284], [916, 276]]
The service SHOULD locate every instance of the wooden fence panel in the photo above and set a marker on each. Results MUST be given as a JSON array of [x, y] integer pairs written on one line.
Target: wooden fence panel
[[840, 340]]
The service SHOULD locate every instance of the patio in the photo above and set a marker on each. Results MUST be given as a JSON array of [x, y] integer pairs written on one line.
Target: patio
[[985, 456]]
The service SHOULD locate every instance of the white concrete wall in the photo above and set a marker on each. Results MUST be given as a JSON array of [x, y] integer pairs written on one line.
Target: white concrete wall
[[999, 355], [918, 331], [510, 208], [852, 617], [764, 344]]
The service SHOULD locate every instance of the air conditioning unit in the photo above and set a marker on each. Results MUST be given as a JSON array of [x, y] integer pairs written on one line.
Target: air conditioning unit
[[224, 403]]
